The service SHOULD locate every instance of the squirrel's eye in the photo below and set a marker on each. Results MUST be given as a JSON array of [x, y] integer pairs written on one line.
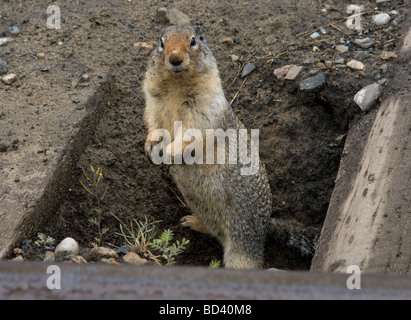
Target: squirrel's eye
[[193, 41]]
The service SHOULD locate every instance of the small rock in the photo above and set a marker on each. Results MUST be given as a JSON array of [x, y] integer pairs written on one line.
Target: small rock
[[26, 244], [49, 256], [270, 40], [282, 72], [386, 55], [161, 16], [3, 67], [316, 49], [4, 41], [234, 58], [328, 64], [248, 68], [361, 55], [176, 17], [85, 77], [341, 48], [340, 139], [323, 31], [3, 57], [227, 40], [40, 55], [17, 251], [18, 259], [309, 60], [122, 250], [75, 258], [315, 35], [381, 1], [339, 61], [384, 68], [10, 78], [134, 258], [293, 73], [101, 252], [383, 81], [76, 101], [66, 247], [356, 65], [13, 30], [381, 19], [364, 43], [396, 21], [312, 84], [367, 96]]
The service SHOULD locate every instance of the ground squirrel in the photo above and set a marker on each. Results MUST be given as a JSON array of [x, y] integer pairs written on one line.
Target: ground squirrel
[[182, 85]]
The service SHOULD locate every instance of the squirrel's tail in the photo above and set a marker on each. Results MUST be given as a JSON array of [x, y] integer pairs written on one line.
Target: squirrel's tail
[[293, 234]]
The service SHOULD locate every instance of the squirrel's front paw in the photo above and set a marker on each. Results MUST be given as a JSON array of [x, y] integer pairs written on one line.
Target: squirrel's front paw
[[193, 222]]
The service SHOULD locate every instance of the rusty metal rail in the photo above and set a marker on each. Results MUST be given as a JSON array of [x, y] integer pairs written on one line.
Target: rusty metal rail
[[28, 280]]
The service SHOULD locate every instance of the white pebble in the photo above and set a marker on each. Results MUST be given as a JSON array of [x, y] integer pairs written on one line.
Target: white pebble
[[341, 49], [66, 247], [234, 58], [10, 78], [315, 35], [356, 65], [293, 73], [5, 40], [367, 96], [381, 18]]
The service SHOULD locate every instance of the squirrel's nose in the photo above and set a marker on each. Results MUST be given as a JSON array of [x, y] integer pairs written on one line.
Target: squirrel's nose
[[175, 59]]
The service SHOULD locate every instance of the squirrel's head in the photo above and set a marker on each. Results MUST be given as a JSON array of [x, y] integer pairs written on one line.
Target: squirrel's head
[[182, 50]]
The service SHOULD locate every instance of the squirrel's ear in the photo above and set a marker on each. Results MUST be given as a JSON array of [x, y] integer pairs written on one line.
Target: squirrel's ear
[[199, 33]]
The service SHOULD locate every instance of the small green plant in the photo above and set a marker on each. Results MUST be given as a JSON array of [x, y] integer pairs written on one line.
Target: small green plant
[[214, 264], [139, 234], [44, 241], [98, 191], [97, 144], [168, 251]]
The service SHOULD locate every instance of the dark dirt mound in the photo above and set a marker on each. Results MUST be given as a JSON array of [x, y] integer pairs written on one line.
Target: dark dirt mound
[[301, 134]]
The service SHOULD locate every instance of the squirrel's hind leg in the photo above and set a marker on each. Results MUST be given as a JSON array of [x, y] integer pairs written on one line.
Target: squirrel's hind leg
[[236, 257]]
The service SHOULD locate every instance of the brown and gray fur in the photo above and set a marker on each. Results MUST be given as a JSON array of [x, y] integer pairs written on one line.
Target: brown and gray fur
[[182, 83]]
